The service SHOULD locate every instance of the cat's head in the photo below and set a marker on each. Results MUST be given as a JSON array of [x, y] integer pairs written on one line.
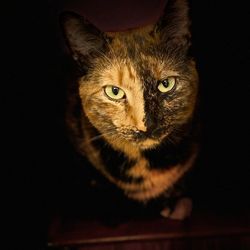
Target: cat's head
[[139, 85]]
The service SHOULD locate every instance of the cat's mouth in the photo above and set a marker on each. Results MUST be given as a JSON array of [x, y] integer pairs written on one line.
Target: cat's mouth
[[148, 139], [148, 143]]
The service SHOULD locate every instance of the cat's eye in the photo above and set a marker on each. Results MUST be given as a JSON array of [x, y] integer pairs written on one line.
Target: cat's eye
[[114, 92], [167, 84]]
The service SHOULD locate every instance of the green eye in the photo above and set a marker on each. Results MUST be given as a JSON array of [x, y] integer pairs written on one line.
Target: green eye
[[167, 84], [114, 92]]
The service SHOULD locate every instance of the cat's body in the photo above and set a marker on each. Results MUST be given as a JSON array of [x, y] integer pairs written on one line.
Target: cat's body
[[136, 102]]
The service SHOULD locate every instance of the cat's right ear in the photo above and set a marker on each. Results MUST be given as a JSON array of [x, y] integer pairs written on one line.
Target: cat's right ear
[[84, 40], [174, 24]]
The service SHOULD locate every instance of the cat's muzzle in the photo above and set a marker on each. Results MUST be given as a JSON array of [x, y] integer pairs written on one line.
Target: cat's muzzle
[[155, 133]]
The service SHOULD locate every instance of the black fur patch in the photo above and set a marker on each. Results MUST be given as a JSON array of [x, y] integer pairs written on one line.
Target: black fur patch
[[116, 162], [168, 154]]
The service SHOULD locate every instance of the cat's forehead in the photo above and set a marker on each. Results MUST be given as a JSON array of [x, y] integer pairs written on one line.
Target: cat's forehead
[[127, 74], [134, 42], [139, 67], [141, 50]]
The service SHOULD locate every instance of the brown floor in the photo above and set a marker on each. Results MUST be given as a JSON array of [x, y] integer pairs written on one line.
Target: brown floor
[[203, 230]]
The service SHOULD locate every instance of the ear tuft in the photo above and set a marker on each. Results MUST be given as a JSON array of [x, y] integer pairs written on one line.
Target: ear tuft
[[83, 39]]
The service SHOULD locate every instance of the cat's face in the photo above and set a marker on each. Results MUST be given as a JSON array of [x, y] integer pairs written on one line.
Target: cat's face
[[138, 87], [140, 97]]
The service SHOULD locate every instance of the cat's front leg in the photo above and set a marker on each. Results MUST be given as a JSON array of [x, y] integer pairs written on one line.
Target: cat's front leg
[[181, 211]]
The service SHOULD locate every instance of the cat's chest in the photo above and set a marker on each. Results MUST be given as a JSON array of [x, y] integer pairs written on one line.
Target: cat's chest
[[142, 183], [147, 176]]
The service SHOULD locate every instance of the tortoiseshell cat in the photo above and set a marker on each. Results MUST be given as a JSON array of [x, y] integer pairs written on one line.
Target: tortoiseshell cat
[[138, 94]]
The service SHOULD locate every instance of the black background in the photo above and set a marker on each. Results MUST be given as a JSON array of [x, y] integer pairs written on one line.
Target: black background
[[38, 162]]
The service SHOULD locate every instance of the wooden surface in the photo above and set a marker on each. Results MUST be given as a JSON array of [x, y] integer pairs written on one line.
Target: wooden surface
[[202, 231]]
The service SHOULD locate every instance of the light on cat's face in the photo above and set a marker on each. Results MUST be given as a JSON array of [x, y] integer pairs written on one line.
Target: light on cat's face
[[138, 133], [117, 104], [131, 90]]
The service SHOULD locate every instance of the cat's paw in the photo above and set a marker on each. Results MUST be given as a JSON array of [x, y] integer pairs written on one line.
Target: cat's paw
[[182, 210], [165, 212]]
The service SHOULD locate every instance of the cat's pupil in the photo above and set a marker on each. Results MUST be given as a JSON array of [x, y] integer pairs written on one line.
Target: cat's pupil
[[115, 90], [165, 83]]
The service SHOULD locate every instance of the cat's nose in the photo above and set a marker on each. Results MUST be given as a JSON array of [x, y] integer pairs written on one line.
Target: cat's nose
[[153, 133], [140, 134]]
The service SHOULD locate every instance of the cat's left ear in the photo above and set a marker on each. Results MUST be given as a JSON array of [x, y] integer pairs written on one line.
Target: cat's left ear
[[84, 40], [174, 24]]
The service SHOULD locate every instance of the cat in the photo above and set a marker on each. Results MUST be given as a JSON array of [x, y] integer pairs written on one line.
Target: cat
[[138, 95]]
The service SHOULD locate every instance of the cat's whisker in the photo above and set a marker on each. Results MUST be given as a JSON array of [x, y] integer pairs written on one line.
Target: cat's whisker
[[174, 139], [97, 137], [170, 140], [106, 58], [113, 64]]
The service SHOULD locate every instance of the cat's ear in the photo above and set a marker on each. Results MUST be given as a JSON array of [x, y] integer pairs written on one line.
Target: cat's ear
[[84, 40], [174, 24]]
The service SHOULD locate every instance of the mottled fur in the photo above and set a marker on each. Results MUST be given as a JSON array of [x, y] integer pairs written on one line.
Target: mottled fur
[[143, 143]]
